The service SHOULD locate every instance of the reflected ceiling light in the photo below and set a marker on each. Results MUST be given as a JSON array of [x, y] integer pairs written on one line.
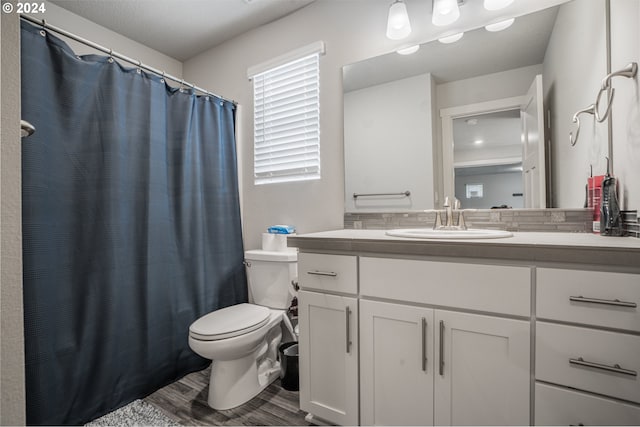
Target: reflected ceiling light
[[445, 12], [451, 39], [408, 50], [478, 141], [398, 25], [496, 4], [499, 26], [471, 122]]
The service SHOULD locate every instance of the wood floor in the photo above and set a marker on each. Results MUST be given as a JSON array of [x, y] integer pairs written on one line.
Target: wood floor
[[186, 402]]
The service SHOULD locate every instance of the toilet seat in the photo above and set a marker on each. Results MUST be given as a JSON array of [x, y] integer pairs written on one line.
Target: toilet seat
[[229, 322]]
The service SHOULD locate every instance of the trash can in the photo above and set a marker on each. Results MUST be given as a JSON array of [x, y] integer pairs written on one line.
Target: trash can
[[288, 352]]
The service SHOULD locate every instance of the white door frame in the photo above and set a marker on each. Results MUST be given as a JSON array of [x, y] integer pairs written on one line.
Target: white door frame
[[448, 114]]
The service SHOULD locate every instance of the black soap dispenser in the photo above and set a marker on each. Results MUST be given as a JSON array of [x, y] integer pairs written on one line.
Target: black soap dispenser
[[610, 221]]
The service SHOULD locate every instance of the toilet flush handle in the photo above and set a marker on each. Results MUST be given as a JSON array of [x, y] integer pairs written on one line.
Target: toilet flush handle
[[296, 286]]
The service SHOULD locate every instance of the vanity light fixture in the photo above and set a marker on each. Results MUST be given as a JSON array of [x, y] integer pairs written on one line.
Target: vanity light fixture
[[398, 25], [451, 39], [445, 12], [496, 4], [499, 26], [408, 50]]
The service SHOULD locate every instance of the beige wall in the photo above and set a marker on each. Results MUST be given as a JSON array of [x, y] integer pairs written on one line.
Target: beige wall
[[12, 406], [625, 48], [572, 87]]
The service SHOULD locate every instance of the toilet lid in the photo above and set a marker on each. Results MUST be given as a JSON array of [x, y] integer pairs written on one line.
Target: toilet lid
[[229, 322]]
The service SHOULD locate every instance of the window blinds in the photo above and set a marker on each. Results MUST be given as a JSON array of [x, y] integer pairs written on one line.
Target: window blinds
[[287, 122]]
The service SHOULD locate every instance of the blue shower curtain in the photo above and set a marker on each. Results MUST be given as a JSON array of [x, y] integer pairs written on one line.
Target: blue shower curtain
[[131, 229]]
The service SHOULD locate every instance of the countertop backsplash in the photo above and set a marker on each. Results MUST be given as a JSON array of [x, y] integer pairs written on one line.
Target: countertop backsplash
[[543, 220], [560, 220]]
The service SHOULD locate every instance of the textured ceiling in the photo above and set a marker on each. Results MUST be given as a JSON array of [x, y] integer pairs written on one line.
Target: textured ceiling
[[181, 29]]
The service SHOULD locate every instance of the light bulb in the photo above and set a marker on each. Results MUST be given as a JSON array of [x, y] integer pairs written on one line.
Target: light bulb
[[499, 26], [398, 25], [451, 39], [408, 50], [445, 12]]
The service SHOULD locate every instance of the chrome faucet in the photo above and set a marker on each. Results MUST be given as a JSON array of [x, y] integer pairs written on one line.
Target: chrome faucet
[[449, 208], [449, 212]]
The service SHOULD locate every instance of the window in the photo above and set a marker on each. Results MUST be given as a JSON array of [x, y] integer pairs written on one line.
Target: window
[[287, 121], [474, 191]]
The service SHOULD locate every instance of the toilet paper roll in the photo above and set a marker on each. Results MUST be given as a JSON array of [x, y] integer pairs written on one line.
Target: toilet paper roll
[[274, 242]]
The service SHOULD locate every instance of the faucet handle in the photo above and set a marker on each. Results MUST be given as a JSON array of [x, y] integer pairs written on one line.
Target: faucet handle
[[438, 222], [446, 202], [461, 223], [456, 204]]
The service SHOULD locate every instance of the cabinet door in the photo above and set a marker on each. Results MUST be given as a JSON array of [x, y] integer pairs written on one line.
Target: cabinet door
[[482, 370], [328, 347], [396, 364]]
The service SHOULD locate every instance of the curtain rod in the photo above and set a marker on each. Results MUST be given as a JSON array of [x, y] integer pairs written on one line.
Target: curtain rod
[[111, 53]]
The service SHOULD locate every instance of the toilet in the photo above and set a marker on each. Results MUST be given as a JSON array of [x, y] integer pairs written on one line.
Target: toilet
[[242, 340]]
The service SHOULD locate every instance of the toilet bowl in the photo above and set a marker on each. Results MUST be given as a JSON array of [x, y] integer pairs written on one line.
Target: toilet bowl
[[242, 340]]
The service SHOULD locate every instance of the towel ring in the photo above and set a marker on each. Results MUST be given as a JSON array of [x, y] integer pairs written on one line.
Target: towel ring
[[630, 72], [602, 118], [576, 119]]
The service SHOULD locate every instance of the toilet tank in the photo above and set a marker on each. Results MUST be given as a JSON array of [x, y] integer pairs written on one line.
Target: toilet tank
[[269, 276]]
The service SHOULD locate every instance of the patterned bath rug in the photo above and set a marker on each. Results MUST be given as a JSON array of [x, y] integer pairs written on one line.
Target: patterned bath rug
[[136, 413]]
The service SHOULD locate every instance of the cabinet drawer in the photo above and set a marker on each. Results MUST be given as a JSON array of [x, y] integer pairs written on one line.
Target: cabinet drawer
[[589, 297], [586, 359], [490, 288], [329, 273], [561, 407]]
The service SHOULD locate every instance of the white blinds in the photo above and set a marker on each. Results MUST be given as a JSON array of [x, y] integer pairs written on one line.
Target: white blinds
[[287, 122]]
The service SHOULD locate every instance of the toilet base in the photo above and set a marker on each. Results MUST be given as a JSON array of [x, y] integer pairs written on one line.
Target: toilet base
[[235, 382]]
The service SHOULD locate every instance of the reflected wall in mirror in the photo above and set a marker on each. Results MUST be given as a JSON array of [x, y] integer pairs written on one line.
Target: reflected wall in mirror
[[487, 160], [396, 138]]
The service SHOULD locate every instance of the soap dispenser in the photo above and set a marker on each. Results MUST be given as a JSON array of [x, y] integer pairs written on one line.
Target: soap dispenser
[[610, 221]]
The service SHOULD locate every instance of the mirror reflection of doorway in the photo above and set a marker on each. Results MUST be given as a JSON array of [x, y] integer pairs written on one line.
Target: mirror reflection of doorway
[[487, 160]]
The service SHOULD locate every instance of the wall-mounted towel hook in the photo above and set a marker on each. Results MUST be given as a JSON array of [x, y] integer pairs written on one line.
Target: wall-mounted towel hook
[[576, 119], [630, 72]]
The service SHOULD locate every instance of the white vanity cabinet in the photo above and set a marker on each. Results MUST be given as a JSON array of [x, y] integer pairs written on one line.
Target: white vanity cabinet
[[396, 364], [421, 366], [425, 366], [543, 329], [328, 343], [587, 348]]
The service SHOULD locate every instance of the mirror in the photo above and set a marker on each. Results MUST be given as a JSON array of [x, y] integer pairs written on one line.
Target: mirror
[[406, 118]]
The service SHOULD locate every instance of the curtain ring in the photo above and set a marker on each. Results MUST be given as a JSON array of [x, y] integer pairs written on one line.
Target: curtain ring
[[110, 56], [43, 33], [162, 77], [599, 118], [139, 70]]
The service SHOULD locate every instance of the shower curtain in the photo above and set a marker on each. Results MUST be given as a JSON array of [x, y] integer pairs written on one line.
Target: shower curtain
[[131, 229]]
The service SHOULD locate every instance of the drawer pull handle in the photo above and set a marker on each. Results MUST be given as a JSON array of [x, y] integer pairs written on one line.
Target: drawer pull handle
[[424, 344], [615, 368], [322, 273], [347, 311], [615, 302], [441, 352]]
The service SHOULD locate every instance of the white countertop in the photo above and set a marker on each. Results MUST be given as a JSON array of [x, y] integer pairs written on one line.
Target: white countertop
[[582, 248], [519, 238]]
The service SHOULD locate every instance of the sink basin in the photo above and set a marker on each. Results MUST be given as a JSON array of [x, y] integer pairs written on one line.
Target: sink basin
[[429, 233]]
